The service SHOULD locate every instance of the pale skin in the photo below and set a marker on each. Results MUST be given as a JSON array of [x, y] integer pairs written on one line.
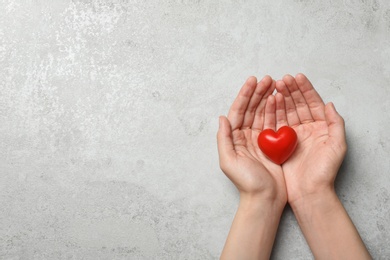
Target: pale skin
[[305, 180]]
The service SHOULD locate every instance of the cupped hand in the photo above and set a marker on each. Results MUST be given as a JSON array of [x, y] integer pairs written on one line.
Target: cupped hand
[[321, 138], [240, 157]]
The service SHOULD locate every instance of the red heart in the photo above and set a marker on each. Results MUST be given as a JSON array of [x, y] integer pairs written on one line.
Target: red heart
[[279, 146]]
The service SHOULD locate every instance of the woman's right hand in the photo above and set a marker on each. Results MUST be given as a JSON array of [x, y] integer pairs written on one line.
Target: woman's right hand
[[321, 138]]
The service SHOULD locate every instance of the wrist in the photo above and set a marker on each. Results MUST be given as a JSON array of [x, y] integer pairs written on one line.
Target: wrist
[[257, 203], [306, 193], [322, 200]]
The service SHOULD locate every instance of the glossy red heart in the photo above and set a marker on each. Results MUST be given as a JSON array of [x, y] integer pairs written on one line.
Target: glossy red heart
[[278, 146]]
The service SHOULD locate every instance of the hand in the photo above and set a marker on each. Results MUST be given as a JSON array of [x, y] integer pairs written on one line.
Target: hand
[[240, 158], [259, 181], [321, 138], [312, 169]]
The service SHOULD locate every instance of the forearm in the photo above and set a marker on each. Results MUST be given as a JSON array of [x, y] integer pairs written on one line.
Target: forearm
[[327, 227], [253, 230]]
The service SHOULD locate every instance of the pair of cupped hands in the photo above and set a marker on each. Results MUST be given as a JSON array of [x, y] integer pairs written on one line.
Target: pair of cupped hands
[[321, 148]]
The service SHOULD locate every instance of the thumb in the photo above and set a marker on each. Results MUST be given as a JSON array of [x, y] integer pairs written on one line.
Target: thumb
[[225, 141], [335, 122]]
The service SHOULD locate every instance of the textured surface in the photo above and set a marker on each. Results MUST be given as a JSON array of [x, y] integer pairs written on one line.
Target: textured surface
[[108, 116]]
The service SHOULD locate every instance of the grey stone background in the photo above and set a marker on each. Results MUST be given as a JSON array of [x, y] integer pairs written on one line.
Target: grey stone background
[[109, 110]]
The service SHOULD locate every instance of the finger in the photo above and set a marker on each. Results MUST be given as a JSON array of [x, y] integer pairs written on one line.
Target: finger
[[335, 123], [291, 111], [257, 96], [269, 113], [281, 118], [226, 149], [301, 106], [240, 104], [258, 121], [313, 99]]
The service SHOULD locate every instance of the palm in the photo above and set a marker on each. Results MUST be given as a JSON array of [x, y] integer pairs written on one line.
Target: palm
[[311, 156], [258, 171]]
